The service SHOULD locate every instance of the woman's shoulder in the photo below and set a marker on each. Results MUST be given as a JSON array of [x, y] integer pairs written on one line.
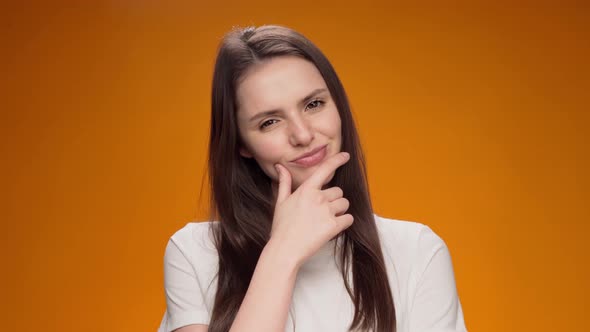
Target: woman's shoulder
[[408, 249], [403, 236], [195, 238], [192, 228]]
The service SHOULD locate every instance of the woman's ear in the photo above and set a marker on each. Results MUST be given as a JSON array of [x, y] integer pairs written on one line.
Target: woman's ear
[[245, 153]]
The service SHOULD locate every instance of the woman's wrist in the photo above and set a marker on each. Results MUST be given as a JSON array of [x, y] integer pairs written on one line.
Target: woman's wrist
[[280, 255]]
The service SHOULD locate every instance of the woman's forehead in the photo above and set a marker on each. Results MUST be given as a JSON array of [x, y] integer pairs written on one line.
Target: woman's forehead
[[277, 83]]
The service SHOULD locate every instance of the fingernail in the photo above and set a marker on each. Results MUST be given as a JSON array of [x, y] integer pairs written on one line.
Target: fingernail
[[278, 168]]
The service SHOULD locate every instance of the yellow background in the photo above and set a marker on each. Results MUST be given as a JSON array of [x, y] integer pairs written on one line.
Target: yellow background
[[474, 119]]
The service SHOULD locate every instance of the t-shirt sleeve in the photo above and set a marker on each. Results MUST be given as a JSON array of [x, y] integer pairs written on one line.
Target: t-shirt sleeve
[[436, 306], [185, 299]]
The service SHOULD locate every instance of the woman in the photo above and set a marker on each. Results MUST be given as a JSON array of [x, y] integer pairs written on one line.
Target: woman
[[297, 246]]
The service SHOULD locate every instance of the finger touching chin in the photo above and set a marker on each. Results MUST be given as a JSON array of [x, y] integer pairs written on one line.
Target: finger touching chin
[[328, 179]]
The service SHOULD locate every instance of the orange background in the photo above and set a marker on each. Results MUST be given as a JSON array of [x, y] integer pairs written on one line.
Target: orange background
[[474, 119]]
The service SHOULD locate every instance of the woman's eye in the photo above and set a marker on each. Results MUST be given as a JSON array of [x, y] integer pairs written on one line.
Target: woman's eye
[[267, 123], [314, 104]]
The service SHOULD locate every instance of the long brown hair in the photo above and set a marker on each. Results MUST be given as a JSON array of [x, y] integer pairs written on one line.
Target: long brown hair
[[242, 198]]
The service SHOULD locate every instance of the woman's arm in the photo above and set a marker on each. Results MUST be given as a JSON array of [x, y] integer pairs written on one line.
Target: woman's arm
[[268, 298], [303, 222], [266, 304]]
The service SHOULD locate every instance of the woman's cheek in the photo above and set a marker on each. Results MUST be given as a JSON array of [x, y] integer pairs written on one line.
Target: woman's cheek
[[268, 167], [272, 172]]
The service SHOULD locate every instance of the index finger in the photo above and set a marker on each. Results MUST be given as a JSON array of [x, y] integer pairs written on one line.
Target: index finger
[[317, 179]]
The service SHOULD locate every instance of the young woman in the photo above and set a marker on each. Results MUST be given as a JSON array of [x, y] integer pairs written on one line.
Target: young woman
[[295, 244]]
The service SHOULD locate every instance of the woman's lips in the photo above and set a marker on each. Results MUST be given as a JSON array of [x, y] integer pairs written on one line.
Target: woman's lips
[[313, 159]]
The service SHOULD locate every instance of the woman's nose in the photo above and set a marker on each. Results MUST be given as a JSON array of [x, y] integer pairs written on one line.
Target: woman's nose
[[301, 132]]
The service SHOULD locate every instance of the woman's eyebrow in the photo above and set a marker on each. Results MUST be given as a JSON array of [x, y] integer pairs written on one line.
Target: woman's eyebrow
[[276, 111]]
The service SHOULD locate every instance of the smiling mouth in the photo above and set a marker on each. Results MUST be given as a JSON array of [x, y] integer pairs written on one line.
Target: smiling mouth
[[312, 159]]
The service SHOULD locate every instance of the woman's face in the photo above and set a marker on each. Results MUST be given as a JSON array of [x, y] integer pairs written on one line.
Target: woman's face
[[285, 111]]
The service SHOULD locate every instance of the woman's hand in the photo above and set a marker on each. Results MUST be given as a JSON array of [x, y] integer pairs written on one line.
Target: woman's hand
[[309, 217]]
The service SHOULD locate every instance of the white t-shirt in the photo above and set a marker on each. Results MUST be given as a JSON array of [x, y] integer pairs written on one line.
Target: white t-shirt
[[418, 264]]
